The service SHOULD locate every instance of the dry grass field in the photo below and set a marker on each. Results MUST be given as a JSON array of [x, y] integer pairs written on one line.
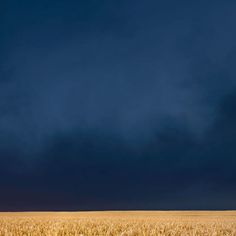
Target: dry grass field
[[127, 223]]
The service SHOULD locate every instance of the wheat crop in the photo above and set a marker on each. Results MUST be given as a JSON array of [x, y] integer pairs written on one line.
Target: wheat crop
[[127, 223]]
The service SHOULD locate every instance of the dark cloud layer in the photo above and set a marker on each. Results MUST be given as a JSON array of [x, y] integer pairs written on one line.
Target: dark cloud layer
[[117, 105]]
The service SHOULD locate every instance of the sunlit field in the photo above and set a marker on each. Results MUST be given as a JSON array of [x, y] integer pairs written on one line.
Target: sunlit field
[[125, 223]]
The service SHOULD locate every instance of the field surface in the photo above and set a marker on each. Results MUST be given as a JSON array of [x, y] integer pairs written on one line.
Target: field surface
[[122, 223]]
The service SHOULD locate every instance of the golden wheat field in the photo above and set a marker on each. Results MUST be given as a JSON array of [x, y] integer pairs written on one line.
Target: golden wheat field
[[123, 223]]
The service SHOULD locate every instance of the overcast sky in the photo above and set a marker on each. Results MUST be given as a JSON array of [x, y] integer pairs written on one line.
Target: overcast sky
[[117, 105]]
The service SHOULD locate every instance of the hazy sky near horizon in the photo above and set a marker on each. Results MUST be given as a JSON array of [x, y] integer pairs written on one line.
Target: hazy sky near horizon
[[117, 104]]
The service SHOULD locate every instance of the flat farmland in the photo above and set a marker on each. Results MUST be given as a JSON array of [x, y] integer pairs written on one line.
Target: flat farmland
[[122, 223]]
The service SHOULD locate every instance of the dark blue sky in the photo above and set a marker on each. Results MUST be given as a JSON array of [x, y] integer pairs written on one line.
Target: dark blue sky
[[117, 105]]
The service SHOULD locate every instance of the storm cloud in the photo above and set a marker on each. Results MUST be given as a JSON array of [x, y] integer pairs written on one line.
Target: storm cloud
[[104, 101]]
